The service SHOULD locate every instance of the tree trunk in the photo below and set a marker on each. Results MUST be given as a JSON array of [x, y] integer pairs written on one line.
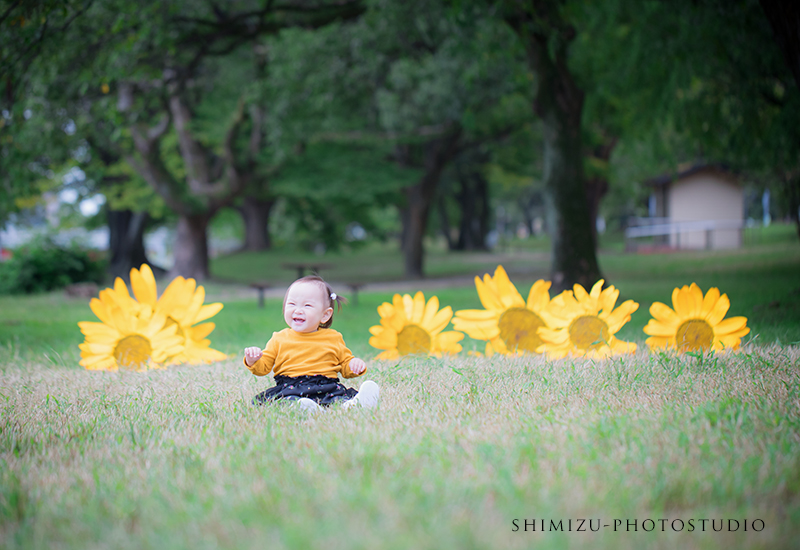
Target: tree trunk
[[191, 247], [474, 202], [485, 209], [437, 153], [255, 214], [415, 218], [596, 189], [444, 221], [785, 20], [597, 186], [126, 243], [792, 193], [529, 206], [559, 104], [569, 218], [466, 199]]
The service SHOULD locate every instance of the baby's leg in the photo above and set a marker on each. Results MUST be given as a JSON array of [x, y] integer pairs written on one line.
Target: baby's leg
[[367, 396]]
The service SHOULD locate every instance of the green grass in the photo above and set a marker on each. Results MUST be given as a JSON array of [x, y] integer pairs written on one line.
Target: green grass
[[456, 452], [459, 448], [376, 263]]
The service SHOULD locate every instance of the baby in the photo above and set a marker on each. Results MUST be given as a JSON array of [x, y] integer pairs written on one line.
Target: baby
[[307, 357]]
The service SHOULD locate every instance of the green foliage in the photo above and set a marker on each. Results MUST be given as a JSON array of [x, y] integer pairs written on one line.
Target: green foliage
[[332, 185], [43, 265], [687, 80]]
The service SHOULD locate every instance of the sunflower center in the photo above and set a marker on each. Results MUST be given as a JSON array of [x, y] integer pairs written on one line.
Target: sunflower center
[[588, 332], [518, 327], [694, 335], [170, 322], [132, 351], [413, 339]]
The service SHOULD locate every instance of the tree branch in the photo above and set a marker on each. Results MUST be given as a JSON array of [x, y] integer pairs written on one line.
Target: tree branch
[[358, 135], [195, 157], [9, 10]]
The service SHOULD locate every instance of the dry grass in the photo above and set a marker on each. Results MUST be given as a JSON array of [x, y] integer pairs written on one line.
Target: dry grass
[[458, 449]]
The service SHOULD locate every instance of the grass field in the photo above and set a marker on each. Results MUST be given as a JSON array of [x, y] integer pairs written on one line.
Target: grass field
[[460, 451]]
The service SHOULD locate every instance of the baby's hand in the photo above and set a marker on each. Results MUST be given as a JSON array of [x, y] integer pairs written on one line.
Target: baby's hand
[[251, 355], [357, 366]]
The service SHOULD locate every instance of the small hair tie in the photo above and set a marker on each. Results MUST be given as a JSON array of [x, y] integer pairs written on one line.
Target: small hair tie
[[333, 295]]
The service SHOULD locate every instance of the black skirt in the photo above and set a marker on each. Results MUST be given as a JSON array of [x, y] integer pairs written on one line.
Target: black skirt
[[321, 389]]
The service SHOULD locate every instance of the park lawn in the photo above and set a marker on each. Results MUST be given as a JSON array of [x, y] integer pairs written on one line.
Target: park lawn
[[459, 448], [374, 263], [762, 283], [460, 451]]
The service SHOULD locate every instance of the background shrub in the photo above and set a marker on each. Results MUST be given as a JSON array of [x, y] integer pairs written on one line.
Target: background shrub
[[44, 265]]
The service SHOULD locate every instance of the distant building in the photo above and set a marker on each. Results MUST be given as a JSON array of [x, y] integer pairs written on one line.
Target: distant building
[[700, 207]]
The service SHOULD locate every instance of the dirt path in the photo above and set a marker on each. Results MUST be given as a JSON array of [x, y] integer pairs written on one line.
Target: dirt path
[[222, 292]]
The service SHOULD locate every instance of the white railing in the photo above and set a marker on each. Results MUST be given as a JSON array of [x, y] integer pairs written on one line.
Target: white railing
[[678, 228]]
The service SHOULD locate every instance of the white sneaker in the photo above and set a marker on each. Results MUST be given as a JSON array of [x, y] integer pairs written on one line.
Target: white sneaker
[[307, 404], [367, 396]]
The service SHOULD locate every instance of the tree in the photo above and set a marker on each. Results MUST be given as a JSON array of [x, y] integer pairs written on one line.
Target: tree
[[472, 205], [784, 17], [703, 80], [558, 101], [432, 86], [160, 61]]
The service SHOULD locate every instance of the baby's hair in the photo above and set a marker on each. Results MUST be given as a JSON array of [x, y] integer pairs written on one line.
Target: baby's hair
[[327, 293]]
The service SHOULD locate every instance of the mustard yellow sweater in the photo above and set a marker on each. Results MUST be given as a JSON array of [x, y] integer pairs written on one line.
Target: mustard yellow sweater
[[291, 353]]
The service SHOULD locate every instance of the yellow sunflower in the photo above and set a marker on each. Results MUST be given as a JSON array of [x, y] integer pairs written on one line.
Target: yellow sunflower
[[123, 340], [182, 305], [696, 323], [410, 325], [509, 324], [584, 324]]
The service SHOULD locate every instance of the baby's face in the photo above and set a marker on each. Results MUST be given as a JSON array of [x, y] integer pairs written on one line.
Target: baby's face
[[306, 307]]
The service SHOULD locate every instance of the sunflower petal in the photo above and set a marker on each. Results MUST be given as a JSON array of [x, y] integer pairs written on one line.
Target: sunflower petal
[[580, 293], [476, 314], [608, 298], [539, 296], [447, 342], [657, 342], [682, 302], [385, 340], [206, 312], [719, 310], [399, 309], [440, 320], [198, 332], [665, 314], [144, 285], [617, 318], [97, 330], [507, 292], [193, 310], [408, 307], [695, 299], [730, 325], [388, 355], [431, 308], [656, 328], [418, 308], [174, 296], [619, 347], [709, 301], [100, 309], [386, 309], [488, 298]]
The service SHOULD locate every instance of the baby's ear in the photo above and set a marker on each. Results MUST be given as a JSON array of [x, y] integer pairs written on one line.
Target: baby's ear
[[327, 315]]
